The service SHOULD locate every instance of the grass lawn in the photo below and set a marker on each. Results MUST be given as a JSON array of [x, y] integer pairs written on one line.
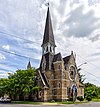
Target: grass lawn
[[26, 102], [65, 102], [71, 102], [96, 100], [39, 103]]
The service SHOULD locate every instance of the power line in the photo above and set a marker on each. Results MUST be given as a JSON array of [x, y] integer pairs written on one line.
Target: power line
[[5, 69], [91, 74], [33, 58], [17, 54], [18, 37], [5, 63], [38, 43], [88, 61], [79, 56]]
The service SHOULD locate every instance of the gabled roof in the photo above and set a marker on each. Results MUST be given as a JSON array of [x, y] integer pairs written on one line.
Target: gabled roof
[[48, 59], [48, 33], [57, 57], [66, 59], [43, 78]]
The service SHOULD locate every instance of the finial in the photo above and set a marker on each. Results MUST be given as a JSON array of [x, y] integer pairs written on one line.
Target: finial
[[71, 52], [47, 4]]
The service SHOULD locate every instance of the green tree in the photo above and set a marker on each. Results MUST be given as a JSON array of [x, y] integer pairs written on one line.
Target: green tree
[[90, 91], [22, 83], [98, 91], [81, 77], [3, 86]]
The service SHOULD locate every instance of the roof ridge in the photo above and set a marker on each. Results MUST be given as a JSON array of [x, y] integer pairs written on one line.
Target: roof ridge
[[57, 57]]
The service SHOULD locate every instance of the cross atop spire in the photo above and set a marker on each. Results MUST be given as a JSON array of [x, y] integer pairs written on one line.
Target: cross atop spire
[[47, 4], [48, 32]]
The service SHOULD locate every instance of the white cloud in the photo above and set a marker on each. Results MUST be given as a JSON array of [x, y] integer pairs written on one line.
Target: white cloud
[[6, 47], [86, 47], [71, 21], [2, 56], [3, 74]]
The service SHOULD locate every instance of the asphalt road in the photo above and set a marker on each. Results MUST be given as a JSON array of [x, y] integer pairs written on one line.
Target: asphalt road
[[92, 104]]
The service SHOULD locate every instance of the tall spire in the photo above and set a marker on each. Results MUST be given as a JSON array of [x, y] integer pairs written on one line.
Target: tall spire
[[29, 65], [48, 32]]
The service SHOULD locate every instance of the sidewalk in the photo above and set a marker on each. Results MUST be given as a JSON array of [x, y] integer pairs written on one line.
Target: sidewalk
[[50, 103]]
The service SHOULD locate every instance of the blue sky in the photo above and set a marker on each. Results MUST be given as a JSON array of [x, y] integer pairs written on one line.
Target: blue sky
[[76, 26]]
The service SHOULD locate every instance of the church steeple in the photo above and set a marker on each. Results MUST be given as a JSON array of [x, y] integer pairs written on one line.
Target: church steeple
[[29, 65], [48, 44]]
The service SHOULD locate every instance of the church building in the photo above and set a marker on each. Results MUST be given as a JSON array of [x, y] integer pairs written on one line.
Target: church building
[[57, 77]]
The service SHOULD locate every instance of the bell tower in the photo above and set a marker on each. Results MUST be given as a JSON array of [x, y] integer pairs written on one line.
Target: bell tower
[[48, 45]]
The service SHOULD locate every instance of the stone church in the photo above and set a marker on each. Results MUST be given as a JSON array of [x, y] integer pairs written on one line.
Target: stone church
[[57, 77]]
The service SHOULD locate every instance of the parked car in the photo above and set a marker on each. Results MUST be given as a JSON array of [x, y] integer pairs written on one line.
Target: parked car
[[1, 99], [5, 100], [8, 100]]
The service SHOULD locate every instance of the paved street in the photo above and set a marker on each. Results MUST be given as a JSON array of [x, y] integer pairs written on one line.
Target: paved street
[[92, 104]]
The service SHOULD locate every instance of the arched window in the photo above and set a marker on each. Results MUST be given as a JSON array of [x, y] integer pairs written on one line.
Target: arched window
[[52, 76], [52, 86], [72, 73], [59, 84], [53, 49], [47, 49], [43, 66], [81, 91], [52, 91], [40, 93], [68, 91], [65, 66], [59, 66], [64, 76], [50, 49]]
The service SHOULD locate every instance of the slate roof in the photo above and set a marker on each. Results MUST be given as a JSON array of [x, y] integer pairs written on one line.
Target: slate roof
[[66, 59], [48, 59], [57, 57], [43, 78], [48, 33]]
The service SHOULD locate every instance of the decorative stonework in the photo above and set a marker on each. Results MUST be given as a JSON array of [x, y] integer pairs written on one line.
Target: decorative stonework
[[56, 75]]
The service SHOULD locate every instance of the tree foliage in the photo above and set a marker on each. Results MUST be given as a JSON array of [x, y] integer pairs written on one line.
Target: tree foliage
[[91, 91], [3, 86], [81, 77], [21, 83], [80, 98]]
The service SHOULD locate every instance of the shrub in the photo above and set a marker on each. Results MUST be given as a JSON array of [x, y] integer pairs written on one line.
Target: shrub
[[52, 101], [88, 98], [80, 98], [70, 99]]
